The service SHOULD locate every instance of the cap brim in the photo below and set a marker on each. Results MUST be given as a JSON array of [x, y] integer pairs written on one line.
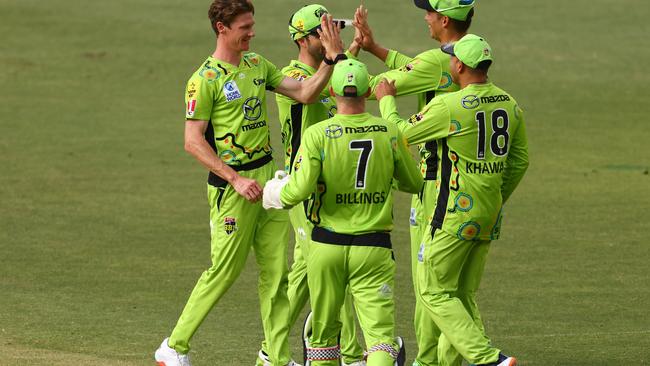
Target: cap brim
[[448, 48], [424, 4]]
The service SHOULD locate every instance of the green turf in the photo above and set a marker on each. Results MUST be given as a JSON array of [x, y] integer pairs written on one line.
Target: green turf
[[103, 217]]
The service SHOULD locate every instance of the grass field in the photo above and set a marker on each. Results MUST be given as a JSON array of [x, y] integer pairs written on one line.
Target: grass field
[[103, 216]]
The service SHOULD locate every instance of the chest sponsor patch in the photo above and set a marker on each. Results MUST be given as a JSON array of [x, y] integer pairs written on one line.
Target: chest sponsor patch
[[231, 91]]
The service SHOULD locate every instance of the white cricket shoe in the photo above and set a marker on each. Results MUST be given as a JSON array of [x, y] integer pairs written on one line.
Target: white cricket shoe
[[267, 361], [508, 361], [503, 361], [167, 356]]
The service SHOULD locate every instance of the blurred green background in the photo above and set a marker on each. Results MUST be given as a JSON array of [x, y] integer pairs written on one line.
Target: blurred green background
[[104, 219]]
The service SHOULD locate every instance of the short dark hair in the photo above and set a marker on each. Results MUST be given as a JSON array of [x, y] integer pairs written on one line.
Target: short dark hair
[[461, 26], [484, 66], [225, 11]]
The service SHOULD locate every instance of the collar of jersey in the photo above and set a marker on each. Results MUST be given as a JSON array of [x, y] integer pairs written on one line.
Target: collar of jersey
[[353, 117], [304, 67], [223, 65]]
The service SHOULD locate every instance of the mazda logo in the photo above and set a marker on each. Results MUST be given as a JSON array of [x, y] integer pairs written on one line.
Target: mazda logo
[[252, 108], [470, 102]]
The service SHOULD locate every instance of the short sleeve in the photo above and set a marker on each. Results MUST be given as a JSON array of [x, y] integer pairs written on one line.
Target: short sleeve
[[199, 98]]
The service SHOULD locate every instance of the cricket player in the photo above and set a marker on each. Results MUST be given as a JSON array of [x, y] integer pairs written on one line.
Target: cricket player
[[226, 130], [349, 161], [295, 118], [427, 75], [482, 156]]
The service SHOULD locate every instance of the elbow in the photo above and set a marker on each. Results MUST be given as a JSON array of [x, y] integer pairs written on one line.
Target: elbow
[[189, 147], [307, 99]]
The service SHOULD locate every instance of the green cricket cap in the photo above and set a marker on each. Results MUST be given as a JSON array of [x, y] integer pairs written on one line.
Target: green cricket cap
[[470, 50], [455, 9], [306, 20], [350, 72]]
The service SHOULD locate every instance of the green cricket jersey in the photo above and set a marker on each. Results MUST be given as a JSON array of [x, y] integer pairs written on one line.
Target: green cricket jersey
[[482, 154], [418, 75], [426, 75], [349, 161], [232, 99], [295, 117]]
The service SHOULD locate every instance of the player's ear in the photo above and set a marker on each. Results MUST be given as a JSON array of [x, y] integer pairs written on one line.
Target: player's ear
[[221, 27], [445, 21]]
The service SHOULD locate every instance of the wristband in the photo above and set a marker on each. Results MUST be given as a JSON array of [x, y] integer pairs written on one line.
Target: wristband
[[339, 57]]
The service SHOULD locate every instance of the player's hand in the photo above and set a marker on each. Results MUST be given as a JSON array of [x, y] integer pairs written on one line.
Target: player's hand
[[360, 23], [330, 37], [355, 45], [384, 88], [247, 188], [273, 190]]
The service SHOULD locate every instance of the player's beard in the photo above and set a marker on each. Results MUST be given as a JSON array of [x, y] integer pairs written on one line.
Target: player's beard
[[316, 51]]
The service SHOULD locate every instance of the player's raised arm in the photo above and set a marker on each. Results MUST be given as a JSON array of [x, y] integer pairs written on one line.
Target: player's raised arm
[[431, 123], [308, 91]]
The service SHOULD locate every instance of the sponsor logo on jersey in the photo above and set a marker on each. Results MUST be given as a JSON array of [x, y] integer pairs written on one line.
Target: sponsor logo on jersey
[[495, 98], [230, 225], [421, 253], [325, 100], [231, 91], [485, 167], [296, 165], [416, 118], [191, 107], [191, 90], [360, 198], [259, 82], [410, 66], [364, 129], [252, 108], [470, 102], [253, 126], [334, 131]]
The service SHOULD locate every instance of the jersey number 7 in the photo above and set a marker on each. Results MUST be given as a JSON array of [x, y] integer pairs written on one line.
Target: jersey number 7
[[366, 149]]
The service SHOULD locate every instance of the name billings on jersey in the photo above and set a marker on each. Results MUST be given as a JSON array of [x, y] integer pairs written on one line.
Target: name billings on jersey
[[364, 129], [253, 126], [360, 198], [485, 167]]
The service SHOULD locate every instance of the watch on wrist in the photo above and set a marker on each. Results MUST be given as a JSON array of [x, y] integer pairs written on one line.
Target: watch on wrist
[[339, 57]]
